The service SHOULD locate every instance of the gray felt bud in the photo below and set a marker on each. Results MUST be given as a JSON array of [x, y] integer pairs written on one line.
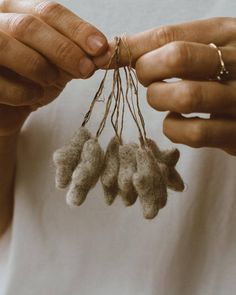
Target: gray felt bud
[[149, 183], [86, 173], [128, 166], [168, 157], [167, 161], [173, 179], [67, 158], [109, 177]]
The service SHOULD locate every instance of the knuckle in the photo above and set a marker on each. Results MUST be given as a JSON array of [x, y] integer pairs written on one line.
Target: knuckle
[[18, 24], [190, 99], [229, 25], [64, 50], [179, 54], [184, 104], [224, 21], [79, 28], [35, 64], [198, 136], [48, 9], [164, 35]]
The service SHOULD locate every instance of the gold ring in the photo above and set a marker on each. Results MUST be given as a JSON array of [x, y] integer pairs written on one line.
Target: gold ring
[[223, 73]]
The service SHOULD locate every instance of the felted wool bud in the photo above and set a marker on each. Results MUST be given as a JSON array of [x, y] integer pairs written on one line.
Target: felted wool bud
[[109, 177], [168, 157], [86, 173], [68, 157], [173, 179], [128, 166], [149, 183], [167, 161]]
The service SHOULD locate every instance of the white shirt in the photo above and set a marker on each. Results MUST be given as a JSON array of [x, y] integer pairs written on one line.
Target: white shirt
[[95, 249]]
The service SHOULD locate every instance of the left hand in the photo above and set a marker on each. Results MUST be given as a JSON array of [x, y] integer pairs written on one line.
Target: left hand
[[43, 46], [183, 51]]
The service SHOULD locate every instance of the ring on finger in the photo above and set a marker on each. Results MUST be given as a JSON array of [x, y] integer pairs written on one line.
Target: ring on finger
[[223, 74]]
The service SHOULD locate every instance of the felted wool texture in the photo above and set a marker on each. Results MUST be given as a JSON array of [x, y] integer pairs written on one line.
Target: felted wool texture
[[109, 177], [173, 179], [167, 161], [86, 173], [149, 183], [168, 157], [67, 158], [128, 166]]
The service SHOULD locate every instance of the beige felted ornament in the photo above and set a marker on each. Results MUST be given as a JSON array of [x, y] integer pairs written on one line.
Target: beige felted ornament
[[128, 166], [149, 183], [86, 173], [128, 170], [68, 157], [109, 177], [167, 161], [173, 179]]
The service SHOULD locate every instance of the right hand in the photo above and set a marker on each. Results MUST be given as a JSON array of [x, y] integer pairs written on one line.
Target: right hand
[[182, 51], [43, 46]]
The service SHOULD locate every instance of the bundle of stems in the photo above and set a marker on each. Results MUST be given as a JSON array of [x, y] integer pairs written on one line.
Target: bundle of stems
[[119, 97]]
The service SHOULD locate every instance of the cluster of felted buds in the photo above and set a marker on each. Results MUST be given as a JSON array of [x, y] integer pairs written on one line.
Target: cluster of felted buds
[[126, 170], [131, 170]]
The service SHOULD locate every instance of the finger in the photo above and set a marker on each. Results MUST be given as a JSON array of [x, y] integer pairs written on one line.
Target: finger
[[220, 31], [15, 93], [197, 132], [184, 60], [38, 35], [89, 38], [192, 97], [25, 61]]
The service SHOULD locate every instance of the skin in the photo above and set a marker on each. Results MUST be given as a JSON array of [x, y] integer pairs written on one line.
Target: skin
[[43, 46]]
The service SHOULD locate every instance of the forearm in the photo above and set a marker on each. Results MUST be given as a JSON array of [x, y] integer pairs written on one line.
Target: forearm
[[8, 147]]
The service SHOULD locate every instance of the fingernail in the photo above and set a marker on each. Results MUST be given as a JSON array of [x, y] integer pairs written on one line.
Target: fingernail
[[95, 43], [86, 67]]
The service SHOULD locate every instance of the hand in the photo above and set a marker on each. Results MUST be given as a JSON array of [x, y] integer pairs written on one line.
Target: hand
[[43, 46], [182, 51]]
